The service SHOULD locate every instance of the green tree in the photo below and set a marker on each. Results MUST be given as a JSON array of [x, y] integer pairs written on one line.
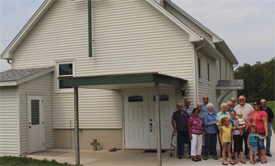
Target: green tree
[[258, 80]]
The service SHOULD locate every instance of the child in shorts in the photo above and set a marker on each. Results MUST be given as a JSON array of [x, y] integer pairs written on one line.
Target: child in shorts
[[252, 143], [226, 136]]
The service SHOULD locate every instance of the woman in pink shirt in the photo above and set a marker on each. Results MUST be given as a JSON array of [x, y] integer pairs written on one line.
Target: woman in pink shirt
[[259, 118], [196, 134]]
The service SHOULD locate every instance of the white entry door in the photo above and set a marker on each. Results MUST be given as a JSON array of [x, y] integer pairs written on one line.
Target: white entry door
[[167, 107], [140, 119], [136, 120], [35, 123]]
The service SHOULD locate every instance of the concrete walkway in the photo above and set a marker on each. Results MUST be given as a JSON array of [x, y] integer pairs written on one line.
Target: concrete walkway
[[131, 158]]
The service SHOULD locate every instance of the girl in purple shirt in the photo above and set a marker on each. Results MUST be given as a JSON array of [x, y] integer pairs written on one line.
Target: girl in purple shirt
[[196, 134]]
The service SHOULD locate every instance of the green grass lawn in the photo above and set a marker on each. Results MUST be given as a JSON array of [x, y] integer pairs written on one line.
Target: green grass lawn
[[24, 161], [270, 104]]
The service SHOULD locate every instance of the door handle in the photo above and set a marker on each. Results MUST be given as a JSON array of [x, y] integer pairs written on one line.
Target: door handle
[[151, 126], [30, 127]]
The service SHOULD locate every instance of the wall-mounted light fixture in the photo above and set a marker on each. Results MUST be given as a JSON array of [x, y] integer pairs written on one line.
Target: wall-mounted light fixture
[[182, 91]]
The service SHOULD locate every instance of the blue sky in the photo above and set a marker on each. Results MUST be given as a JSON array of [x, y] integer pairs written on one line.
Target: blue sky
[[247, 26]]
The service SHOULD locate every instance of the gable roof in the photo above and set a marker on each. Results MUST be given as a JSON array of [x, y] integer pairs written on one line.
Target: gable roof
[[15, 77], [193, 36], [195, 21], [7, 53], [218, 41]]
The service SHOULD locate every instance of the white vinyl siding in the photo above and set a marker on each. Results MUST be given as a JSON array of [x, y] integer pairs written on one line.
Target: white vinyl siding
[[228, 72], [128, 37], [9, 122], [189, 23], [97, 109], [206, 87], [41, 86]]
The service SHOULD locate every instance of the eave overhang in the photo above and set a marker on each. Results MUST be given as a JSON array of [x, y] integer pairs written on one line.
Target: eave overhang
[[225, 50], [210, 51]]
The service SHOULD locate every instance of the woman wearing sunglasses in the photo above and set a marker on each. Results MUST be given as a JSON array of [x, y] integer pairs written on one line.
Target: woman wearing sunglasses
[[259, 119]]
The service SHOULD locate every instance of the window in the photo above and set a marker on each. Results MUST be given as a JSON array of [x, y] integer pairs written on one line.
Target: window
[[208, 71], [199, 66], [35, 120], [135, 99], [225, 71], [162, 98], [220, 66], [64, 69]]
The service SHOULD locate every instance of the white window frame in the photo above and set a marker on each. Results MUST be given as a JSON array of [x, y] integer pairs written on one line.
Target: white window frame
[[225, 74], [199, 68], [208, 71], [220, 67], [57, 63]]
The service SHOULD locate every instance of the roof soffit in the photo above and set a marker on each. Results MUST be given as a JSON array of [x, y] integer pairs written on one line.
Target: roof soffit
[[208, 49], [225, 50]]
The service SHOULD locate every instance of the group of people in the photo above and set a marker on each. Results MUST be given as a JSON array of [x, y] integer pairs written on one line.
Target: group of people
[[198, 130]]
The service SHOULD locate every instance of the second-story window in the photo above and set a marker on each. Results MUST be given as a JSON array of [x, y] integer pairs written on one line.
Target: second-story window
[[64, 69], [199, 66], [208, 71], [225, 71], [220, 67]]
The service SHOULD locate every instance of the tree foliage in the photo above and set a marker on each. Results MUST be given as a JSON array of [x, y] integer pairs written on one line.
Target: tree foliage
[[258, 80]]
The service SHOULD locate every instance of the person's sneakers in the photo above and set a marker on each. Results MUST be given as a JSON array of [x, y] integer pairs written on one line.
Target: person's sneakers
[[179, 156], [247, 156], [205, 158], [215, 157], [269, 155]]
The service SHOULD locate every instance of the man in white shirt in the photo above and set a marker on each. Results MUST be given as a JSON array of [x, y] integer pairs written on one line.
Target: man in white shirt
[[246, 109]]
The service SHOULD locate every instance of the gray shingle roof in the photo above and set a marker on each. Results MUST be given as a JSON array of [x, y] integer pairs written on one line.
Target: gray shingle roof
[[14, 75], [230, 83]]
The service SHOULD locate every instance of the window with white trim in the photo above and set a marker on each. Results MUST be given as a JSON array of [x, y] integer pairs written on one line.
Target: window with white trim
[[220, 66], [63, 70], [208, 71], [225, 72], [199, 67]]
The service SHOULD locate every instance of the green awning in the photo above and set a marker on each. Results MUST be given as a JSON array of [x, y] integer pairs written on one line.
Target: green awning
[[113, 81]]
